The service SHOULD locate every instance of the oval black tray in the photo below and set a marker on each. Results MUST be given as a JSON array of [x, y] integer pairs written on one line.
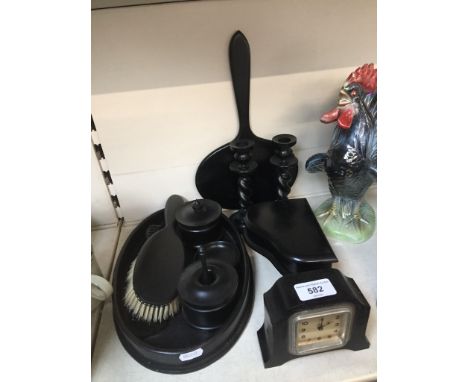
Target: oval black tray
[[174, 347]]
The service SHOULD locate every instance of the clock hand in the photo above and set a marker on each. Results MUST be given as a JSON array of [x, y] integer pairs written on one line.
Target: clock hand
[[320, 327]]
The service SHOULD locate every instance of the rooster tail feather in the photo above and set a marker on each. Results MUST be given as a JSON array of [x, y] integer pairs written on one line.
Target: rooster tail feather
[[316, 163]]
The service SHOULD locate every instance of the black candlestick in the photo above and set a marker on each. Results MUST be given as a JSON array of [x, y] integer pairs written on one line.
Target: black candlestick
[[284, 160], [244, 166]]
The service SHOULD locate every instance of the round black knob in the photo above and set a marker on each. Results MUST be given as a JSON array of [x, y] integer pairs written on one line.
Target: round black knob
[[198, 213]]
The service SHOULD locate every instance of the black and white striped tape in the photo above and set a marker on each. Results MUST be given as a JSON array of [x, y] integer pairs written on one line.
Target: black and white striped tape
[[105, 169]]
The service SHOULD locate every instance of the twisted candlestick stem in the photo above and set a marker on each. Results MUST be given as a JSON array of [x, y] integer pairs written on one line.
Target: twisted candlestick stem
[[244, 185], [243, 165], [284, 160], [284, 184]]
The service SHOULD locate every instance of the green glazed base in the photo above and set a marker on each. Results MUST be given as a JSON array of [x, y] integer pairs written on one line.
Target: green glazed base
[[351, 221]]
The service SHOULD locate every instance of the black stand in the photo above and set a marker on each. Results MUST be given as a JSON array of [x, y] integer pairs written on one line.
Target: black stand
[[285, 161], [243, 165]]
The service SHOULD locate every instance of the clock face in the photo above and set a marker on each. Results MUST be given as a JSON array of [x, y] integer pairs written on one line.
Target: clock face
[[318, 330]]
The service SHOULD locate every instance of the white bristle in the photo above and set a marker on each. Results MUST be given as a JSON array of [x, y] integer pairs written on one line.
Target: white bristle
[[143, 311], [149, 314], [159, 315]]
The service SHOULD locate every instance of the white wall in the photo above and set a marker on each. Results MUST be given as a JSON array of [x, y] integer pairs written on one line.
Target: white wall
[[162, 97], [173, 44]]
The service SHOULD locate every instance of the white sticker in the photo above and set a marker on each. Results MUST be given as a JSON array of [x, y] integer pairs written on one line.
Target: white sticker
[[191, 355], [314, 289]]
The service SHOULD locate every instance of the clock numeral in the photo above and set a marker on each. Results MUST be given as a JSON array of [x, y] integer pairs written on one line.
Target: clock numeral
[[305, 322]]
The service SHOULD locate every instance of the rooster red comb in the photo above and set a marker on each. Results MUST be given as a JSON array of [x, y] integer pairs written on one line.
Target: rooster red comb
[[366, 76]]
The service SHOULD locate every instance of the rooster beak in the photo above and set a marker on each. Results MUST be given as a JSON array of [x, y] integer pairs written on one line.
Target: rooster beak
[[344, 99]]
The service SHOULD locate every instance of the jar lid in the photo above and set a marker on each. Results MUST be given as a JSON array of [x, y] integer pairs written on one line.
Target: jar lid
[[198, 213], [218, 293]]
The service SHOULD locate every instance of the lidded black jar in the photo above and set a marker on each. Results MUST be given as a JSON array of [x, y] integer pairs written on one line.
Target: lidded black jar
[[207, 291], [199, 221]]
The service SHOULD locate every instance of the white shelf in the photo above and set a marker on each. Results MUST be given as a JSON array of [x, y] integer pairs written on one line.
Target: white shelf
[[244, 362]]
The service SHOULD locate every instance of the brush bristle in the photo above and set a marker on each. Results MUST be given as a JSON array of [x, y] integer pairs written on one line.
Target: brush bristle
[[143, 311]]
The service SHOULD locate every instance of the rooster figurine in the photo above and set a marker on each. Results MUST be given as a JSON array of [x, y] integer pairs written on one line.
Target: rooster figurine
[[351, 160]]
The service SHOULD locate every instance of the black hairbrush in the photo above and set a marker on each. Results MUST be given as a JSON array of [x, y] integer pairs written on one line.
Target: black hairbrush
[[151, 293]]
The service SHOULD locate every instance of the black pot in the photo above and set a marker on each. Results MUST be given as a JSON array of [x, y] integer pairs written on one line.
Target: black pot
[[207, 304], [199, 221], [221, 250]]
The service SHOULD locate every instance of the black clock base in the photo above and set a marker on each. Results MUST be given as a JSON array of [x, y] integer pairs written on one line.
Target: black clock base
[[264, 348]]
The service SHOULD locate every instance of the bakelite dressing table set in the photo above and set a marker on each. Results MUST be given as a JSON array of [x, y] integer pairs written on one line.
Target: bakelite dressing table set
[[183, 281]]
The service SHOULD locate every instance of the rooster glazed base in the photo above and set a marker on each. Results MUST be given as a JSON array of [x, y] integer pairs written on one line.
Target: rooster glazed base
[[346, 219]]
